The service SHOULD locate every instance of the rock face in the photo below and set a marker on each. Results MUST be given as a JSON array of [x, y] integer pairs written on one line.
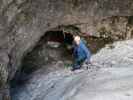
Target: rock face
[[23, 22]]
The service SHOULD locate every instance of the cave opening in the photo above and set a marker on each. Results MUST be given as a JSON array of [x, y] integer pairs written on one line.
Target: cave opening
[[52, 52], [53, 46]]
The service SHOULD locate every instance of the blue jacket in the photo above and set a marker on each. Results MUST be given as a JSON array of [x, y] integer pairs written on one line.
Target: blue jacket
[[81, 52]]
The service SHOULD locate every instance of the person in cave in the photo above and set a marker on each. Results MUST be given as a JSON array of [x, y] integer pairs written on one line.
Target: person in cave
[[81, 53]]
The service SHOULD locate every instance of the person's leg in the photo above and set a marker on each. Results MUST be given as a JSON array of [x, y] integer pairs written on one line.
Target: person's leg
[[76, 65], [87, 59]]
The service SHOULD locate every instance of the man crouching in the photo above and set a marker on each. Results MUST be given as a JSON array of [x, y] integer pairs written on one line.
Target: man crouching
[[81, 53]]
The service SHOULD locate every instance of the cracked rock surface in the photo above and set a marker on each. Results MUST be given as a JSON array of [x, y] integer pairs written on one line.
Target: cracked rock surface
[[24, 22]]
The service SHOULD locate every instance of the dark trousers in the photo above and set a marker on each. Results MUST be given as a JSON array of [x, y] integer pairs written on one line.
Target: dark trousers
[[78, 62]]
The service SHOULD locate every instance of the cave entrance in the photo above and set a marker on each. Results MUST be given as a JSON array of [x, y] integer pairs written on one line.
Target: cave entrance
[[54, 46], [50, 49]]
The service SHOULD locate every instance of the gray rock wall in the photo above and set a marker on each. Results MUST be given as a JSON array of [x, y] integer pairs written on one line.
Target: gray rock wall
[[23, 22]]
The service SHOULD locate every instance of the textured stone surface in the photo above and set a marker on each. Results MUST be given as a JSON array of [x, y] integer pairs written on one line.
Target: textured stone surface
[[23, 22]]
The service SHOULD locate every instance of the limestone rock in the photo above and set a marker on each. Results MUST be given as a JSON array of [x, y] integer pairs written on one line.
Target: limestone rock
[[24, 22]]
